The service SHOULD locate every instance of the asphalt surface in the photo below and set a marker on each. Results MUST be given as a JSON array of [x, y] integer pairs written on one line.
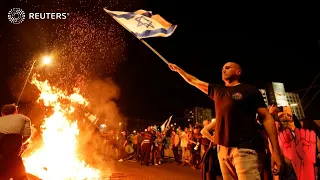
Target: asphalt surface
[[128, 170], [131, 170]]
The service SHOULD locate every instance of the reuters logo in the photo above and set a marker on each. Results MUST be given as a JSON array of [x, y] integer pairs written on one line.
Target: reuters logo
[[16, 15]]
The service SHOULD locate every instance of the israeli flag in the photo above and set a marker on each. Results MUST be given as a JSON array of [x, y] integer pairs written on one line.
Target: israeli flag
[[143, 23]]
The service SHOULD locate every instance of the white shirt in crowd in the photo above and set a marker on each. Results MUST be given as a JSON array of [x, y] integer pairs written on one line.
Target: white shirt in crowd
[[184, 139]]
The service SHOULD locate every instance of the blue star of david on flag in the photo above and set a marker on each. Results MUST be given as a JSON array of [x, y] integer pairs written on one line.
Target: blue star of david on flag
[[143, 23]]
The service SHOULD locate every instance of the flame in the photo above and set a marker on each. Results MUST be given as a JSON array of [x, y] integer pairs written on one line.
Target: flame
[[57, 158]]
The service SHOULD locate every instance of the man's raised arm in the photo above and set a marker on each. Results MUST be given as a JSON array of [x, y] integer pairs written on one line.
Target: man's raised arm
[[203, 86]]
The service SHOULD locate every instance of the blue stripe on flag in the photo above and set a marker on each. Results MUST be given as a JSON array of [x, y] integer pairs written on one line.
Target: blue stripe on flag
[[148, 33], [129, 15]]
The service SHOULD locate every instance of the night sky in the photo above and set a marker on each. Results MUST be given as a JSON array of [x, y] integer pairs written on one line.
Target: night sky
[[207, 36]]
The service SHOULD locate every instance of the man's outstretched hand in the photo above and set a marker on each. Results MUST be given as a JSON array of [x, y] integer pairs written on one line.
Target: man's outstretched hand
[[173, 67]]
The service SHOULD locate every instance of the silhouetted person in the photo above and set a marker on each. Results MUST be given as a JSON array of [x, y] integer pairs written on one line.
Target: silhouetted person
[[15, 129]]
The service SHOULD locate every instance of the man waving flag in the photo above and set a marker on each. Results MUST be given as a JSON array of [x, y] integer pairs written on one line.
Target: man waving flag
[[143, 23]]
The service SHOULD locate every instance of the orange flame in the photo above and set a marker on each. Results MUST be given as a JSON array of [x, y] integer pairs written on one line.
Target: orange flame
[[57, 158]]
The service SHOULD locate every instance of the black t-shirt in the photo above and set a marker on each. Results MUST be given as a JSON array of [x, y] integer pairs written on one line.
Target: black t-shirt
[[236, 109]]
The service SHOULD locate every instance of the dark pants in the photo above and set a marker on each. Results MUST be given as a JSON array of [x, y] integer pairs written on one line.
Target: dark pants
[[158, 153], [135, 151], [11, 164], [210, 164], [139, 151], [176, 154], [152, 153], [145, 152], [196, 158], [162, 150]]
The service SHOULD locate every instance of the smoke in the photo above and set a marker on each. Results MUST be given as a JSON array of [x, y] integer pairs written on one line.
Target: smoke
[[102, 91], [102, 95]]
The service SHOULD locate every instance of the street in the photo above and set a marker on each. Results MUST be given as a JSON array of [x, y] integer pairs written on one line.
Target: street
[[128, 170], [131, 170]]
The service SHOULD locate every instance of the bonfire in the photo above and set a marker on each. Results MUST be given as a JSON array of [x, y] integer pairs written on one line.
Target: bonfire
[[57, 157]]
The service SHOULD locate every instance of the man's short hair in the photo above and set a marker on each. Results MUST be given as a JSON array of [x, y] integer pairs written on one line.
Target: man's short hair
[[8, 109]]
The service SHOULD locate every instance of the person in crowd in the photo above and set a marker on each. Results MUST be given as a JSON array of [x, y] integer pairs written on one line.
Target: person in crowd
[[175, 146], [204, 141], [15, 130], [164, 144], [146, 146], [153, 146], [196, 140], [135, 139], [140, 139], [190, 128], [190, 145], [158, 147], [184, 146], [210, 167]]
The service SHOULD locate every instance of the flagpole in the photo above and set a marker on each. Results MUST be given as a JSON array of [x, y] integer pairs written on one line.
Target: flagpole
[[155, 51], [142, 40]]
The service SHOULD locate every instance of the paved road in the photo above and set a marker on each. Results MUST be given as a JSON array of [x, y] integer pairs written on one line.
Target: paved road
[[130, 170], [134, 171]]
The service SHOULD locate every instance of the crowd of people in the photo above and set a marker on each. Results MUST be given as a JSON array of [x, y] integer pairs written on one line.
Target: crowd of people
[[151, 147], [190, 148]]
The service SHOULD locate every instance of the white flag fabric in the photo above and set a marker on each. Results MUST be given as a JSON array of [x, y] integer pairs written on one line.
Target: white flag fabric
[[163, 126], [166, 124], [143, 23], [154, 128]]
